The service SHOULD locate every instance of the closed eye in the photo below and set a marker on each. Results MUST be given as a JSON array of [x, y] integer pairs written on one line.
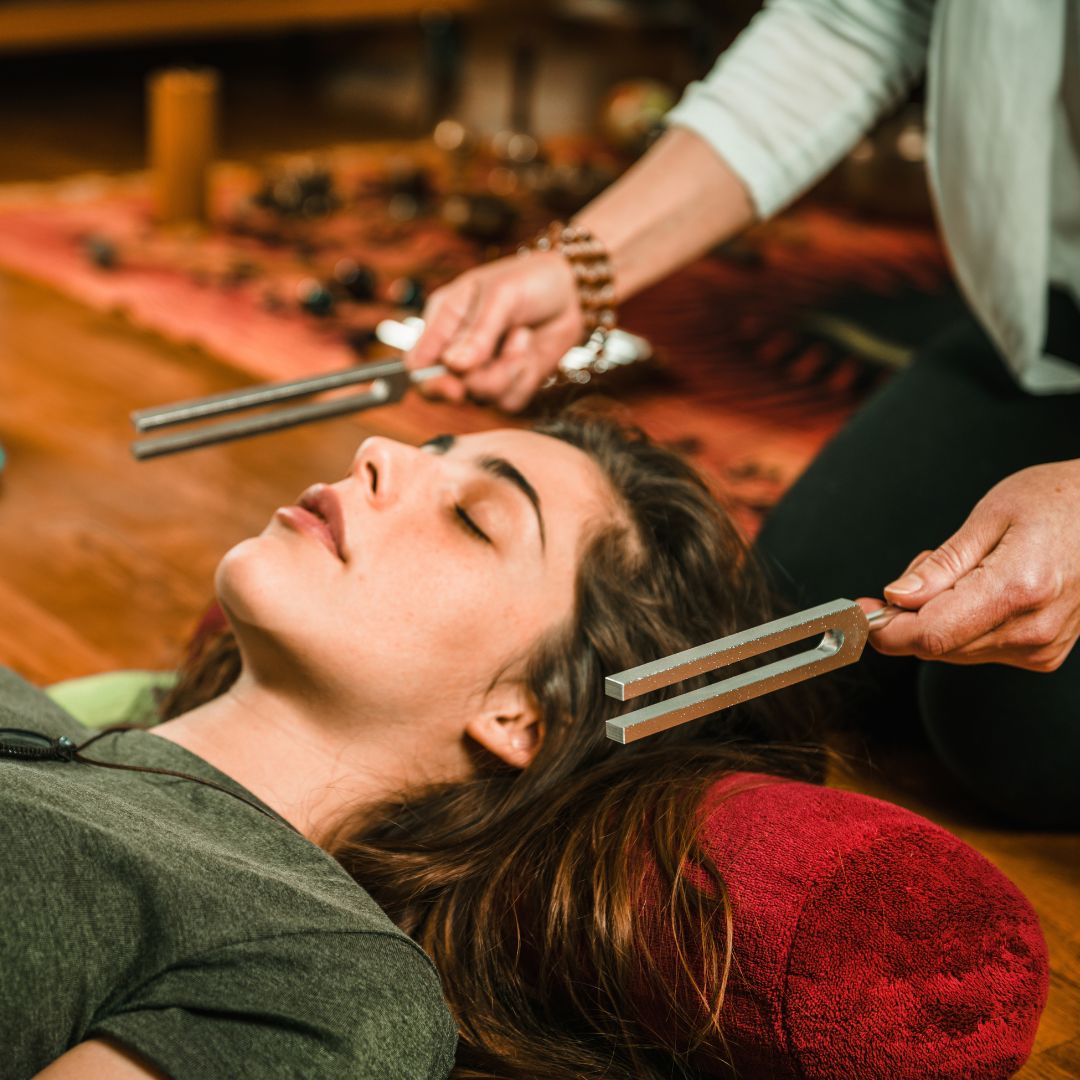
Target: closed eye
[[469, 525]]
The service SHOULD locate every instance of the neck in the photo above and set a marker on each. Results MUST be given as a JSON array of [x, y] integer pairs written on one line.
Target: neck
[[313, 761]]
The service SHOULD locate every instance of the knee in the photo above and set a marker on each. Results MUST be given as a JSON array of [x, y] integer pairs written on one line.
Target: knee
[[798, 552], [1010, 738]]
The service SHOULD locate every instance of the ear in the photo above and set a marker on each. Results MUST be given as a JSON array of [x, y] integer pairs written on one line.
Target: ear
[[508, 725]]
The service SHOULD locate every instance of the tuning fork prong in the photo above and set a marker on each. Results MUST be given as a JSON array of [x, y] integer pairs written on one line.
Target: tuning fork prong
[[840, 626], [387, 383]]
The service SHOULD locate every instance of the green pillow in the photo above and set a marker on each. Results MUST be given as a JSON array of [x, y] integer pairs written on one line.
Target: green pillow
[[114, 697]]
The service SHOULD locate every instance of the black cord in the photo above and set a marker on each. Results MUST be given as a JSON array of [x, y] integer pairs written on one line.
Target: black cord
[[36, 747]]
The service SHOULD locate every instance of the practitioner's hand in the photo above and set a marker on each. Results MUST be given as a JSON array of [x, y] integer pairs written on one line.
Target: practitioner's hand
[[1005, 589], [501, 329]]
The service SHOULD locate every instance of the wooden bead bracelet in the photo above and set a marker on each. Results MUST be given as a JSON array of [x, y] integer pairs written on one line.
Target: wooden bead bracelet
[[591, 265]]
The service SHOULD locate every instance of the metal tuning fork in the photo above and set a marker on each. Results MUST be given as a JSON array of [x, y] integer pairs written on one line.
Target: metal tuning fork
[[843, 628], [389, 380]]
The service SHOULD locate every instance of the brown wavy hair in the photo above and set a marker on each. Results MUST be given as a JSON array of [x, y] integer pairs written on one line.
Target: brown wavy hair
[[527, 887]]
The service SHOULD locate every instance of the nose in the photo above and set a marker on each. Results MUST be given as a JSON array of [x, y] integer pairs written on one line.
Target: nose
[[383, 468]]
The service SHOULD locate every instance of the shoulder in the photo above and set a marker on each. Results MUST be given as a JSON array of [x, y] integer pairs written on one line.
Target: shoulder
[[361, 1004], [26, 706]]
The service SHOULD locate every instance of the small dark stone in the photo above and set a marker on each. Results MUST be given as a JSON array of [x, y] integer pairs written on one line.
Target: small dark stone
[[305, 249], [360, 340], [316, 298], [316, 205], [487, 218], [358, 281], [239, 271], [306, 192], [407, 292], [102, 252], [412, 180]]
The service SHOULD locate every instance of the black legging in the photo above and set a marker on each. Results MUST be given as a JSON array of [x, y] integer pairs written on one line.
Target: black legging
[[901, 477]]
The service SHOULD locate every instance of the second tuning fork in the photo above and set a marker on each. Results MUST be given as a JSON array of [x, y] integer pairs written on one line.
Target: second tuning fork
[[843, 627], [388, 379]]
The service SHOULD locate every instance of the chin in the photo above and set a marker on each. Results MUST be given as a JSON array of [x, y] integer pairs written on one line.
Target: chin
[[249, 586], [268, 603], [287, 619]]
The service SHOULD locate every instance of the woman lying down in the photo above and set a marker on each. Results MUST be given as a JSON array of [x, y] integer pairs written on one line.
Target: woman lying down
[[409, 700]]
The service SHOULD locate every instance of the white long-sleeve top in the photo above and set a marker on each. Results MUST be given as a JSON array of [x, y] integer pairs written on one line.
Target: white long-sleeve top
[[807, 78]]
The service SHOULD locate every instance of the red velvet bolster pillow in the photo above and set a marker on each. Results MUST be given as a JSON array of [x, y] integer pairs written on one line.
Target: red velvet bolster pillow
[[868, 942]]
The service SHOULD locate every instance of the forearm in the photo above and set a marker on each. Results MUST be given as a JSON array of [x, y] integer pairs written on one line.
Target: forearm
[[793, 93], [678, 201], [801, 84]]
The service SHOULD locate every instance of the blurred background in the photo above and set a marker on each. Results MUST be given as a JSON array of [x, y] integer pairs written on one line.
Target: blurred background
[[296, 75]]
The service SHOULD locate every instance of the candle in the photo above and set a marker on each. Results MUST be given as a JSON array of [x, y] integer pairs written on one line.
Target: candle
[[182, 122]]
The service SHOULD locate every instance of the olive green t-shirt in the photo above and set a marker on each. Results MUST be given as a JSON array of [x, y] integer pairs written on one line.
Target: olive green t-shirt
[[210, 939]]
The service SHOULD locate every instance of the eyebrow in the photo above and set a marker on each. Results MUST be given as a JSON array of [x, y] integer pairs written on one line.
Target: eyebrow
[[501, 469]]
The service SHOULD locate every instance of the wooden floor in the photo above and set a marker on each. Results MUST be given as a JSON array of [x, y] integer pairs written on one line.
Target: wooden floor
[[106, 563]]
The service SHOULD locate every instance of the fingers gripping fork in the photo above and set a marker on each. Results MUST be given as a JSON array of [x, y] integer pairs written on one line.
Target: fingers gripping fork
[[840, 625]]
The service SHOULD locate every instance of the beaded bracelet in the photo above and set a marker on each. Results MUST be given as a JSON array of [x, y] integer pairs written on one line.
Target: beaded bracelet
[[593, 275]]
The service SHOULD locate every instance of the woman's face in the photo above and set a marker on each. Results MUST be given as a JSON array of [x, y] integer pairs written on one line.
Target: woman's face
[[411, 585]]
